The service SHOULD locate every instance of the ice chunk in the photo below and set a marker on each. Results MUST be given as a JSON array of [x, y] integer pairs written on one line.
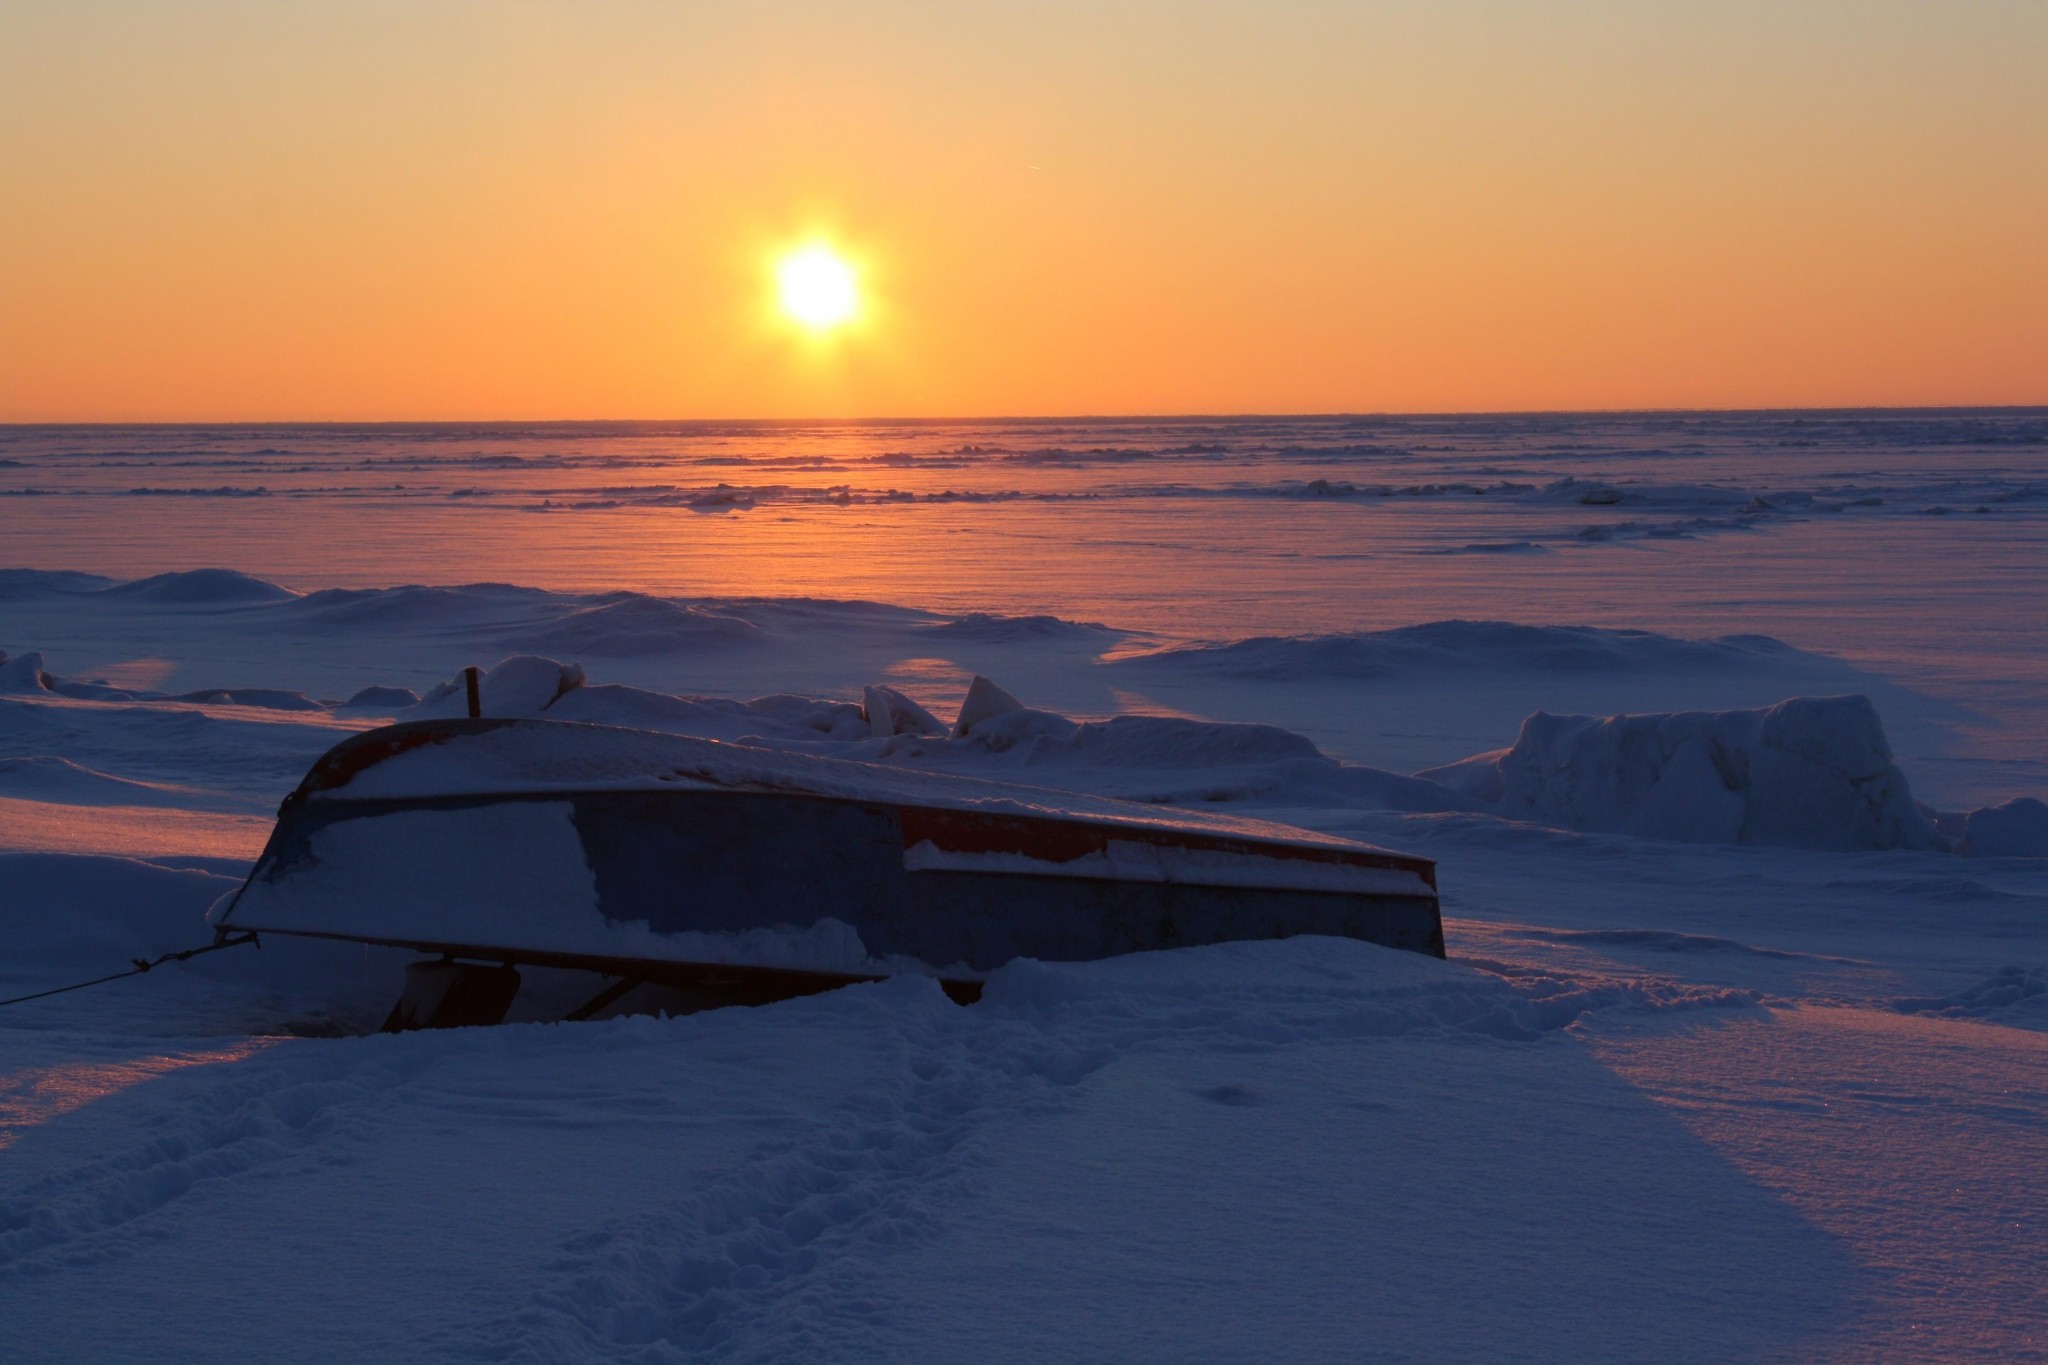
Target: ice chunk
[[984, 699], [24, 674], [2017, 829], [1477, 777], [1811, 772], [889, 712]]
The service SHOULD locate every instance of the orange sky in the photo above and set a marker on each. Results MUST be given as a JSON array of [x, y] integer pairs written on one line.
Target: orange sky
[[379, 210]]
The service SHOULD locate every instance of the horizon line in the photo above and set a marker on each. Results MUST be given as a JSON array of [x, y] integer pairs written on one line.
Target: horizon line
[[1029, 418]]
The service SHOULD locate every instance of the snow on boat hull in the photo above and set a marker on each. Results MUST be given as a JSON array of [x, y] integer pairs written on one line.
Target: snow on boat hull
[[547, 843]]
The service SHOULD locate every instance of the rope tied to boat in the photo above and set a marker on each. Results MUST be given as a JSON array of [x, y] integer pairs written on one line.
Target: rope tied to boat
[[141, 965]]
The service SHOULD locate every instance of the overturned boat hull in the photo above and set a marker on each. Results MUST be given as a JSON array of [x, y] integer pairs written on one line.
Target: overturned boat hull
[[660, 858]]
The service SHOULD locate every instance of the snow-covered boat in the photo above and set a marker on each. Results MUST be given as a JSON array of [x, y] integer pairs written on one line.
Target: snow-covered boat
[[737, 874]]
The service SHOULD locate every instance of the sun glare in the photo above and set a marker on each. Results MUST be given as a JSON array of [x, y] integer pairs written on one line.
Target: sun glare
[[817, 288]]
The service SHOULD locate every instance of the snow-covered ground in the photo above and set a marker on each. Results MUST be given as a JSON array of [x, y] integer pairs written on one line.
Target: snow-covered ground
[[1741, 1051]]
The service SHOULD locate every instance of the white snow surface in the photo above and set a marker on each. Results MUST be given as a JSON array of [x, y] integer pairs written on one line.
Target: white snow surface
[[497, 874], [504, 872], [1738, 1055]]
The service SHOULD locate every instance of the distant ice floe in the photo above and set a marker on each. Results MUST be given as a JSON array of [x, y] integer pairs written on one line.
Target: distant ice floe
[[1463, 646], [1499, 547], [985, 628]]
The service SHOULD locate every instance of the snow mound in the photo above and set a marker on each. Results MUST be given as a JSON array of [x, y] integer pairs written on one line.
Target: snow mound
[[411, 605], [527, 684], [1440, 646], [1811, 772], [636, 625], [201, 587], [523, 685], [2017, 829], [381, 699]]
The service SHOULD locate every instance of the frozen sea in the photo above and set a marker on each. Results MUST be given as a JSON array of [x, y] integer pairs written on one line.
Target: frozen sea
[[1741, 1053], [1906, 543]]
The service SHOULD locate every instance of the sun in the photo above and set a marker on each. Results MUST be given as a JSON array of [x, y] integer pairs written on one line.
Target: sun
[[817, 288]]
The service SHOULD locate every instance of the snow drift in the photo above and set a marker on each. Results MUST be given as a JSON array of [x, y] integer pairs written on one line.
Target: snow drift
[[201, 587], [636, 625], [523, 685]]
